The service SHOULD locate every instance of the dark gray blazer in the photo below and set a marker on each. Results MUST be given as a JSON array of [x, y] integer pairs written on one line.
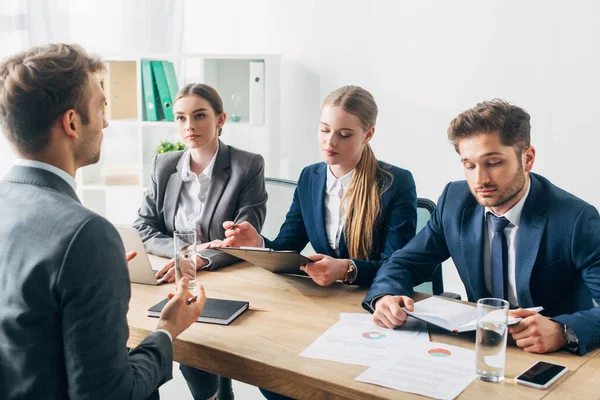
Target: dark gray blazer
[[64, 290], [236, 192]]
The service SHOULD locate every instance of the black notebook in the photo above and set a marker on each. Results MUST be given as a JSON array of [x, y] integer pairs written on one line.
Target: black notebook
[[216, 311]]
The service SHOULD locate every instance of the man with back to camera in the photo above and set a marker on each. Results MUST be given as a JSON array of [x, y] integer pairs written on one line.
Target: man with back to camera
[[64, 283], [511, 233]]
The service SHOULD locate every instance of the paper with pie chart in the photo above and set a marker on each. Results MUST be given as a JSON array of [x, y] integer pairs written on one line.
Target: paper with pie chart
[[436, 370], [355, 339]]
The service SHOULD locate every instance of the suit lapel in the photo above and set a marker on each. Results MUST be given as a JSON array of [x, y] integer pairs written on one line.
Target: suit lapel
[[343, 250], [471, 239], [171, 200], [531, 229], [218, 182], [318, 194]]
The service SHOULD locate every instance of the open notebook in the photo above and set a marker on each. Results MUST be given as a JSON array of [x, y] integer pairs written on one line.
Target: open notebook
[[452, 315]]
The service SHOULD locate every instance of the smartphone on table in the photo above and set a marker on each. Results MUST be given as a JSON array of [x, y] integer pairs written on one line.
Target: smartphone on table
[[541, 375]]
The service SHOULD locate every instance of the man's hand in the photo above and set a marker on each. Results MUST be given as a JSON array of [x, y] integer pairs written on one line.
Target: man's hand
[[536, 333], [325, 270], [242, 234], [177, 316], [388, 311]]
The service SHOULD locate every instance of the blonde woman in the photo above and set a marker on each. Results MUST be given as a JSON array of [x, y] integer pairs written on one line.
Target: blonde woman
[[353, 209]]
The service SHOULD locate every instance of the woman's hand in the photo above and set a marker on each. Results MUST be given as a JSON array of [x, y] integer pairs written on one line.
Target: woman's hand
[[325, 270], [167, 272], [242, 234]]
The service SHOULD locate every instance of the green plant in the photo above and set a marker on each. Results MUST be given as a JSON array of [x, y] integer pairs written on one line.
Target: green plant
[[165, 146]]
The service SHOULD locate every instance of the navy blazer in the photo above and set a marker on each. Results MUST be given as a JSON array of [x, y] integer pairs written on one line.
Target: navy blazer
[[557, 260], [305, 221]]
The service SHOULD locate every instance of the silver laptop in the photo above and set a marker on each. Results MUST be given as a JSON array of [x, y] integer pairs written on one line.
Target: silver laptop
[[140, 268]]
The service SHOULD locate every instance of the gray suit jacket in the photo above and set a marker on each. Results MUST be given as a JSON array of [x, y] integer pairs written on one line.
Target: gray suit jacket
[[64, 290], [236, 192]]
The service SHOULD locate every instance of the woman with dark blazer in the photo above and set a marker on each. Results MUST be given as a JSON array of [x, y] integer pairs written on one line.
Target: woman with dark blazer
[[353, 209], [199, 189]]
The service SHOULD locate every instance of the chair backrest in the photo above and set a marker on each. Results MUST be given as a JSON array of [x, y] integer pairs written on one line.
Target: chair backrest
[[281, 195], [425, 208]]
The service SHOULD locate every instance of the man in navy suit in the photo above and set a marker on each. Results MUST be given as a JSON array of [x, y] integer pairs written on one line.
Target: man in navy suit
[[511, 233]]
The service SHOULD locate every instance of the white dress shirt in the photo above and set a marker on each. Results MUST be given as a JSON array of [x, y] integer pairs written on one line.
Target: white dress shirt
[[194, 191], [514, 217], [47, 167], [335, 214], [193, 195]]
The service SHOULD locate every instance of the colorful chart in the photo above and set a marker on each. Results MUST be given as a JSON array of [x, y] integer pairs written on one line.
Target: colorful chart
[[374, 335], [439, 353]]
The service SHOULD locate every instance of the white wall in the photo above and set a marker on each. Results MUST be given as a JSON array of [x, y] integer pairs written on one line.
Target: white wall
[[426, 61]]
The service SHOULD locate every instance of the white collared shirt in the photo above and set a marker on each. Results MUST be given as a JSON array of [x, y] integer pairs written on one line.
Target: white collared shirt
[[335, 214], [47, 167], [514, 217], [194, 191]]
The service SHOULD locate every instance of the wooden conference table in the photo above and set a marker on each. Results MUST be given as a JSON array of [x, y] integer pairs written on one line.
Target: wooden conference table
[[262, 347]]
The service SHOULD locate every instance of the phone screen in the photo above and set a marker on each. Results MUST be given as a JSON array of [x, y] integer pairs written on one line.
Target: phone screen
[[541, 373]]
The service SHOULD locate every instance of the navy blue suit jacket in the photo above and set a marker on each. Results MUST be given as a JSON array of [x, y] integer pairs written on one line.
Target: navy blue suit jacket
[[557, 260], [305, 221]]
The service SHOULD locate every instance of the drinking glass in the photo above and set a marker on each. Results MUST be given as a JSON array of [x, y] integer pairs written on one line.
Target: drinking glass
[[185, 257], [490, 342]]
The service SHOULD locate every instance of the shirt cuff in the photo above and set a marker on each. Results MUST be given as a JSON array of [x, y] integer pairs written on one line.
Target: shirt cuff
[[207, 265], [166, 332], [372, 303], [263, 242]]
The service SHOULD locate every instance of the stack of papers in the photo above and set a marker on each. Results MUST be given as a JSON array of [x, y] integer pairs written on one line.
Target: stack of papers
[[436, 370], [402, 358], [355, 339]]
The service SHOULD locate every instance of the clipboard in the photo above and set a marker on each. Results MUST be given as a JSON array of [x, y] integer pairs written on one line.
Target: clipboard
[[280, 261]]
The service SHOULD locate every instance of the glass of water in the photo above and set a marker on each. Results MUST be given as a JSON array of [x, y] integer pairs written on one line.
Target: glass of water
[[185, 257], [490, 342]]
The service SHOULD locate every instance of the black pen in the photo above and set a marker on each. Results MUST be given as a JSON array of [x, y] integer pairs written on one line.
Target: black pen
[[234, 225], [191, 300]]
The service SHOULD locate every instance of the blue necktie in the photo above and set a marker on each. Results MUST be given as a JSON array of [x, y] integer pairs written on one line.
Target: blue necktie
[[499, 253]]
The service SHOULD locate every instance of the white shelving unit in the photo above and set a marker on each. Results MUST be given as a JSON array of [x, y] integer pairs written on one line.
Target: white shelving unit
[[129, 144]]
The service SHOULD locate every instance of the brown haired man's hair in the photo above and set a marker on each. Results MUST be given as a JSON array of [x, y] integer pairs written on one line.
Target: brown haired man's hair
[[37, 86], [493, 116]]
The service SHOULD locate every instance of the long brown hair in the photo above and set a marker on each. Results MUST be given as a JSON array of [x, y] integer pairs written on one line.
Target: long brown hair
[[365, 190]]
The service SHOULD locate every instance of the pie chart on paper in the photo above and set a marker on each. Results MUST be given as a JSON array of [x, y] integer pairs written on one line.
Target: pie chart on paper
[[374, 335], [439, 353]]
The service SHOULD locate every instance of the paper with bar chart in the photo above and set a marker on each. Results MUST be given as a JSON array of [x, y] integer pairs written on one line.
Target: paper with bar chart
[[436, 370], [355, 339]]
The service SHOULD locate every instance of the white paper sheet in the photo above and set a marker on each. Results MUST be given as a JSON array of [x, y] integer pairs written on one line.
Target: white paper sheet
[[355, 339], [436, 370]]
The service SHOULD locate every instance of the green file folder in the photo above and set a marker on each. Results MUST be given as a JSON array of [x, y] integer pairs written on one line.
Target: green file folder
[[149, 92], [164, 94], [171, 78]]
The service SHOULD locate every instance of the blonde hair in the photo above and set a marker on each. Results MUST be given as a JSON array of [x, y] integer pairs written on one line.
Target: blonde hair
[[40, 84], [206, 92], [365, 189]]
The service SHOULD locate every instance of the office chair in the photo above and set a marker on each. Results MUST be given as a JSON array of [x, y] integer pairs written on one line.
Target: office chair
[[435, 285]]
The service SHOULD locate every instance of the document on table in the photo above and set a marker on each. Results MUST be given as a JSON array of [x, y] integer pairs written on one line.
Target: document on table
[[355, 339], [436, 370]]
